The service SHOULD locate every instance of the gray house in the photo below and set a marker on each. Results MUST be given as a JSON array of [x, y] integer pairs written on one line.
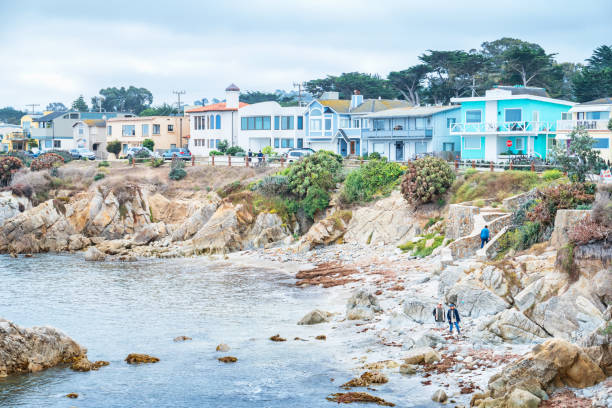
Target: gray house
[[55, 131]]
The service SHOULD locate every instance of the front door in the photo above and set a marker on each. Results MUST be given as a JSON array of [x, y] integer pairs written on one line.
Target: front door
[[342, 148], [399, 151], [352, 147]]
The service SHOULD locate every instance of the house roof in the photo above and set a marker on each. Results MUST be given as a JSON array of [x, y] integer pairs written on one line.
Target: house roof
[[524, 90], [49, 116], [216, 107], [92, 122], [412, 111], [600, 101], [232, 87], [367, 106]]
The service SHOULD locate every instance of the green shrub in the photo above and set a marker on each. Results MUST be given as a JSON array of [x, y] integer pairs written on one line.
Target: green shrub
[[316, 199], [104, 163], [114, 147], [268, 151], [99, 176], [564, 196], [230, 188], [321, 169], [419, 248], [157, 162], [63, 153], [373, 156], [176, 169], [8, 166], [149, 144], [222, 145], [470, 172], [215, 153], [375, 177], [142, 154], [274, 185], [551, 175], [46, 161], [234, 150], [498, 185], [25, 159], [426, 179]]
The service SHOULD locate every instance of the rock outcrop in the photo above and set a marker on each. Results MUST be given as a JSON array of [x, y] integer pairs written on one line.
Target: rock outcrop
[[25, 350], [12, 205], [550, 365], [315, 317], [388, 221], [267, 229], [362, 306], [326, 231]]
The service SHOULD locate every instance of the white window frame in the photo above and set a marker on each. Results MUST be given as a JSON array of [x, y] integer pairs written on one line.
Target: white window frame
[[314, 128], [473, 110], [522, 146], [465, 138], [344, 123], [514, 121]]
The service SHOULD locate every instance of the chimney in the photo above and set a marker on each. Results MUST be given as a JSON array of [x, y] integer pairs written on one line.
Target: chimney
[[232, 97], [356, 99]]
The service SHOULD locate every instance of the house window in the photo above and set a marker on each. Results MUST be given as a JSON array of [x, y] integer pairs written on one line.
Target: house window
[[256, 123], [448, 147], [300, 124], [513, 115], [145, 130], [315, 124], [315, 112], [379, 124], [156, 129], [129, 130], [566, 116], [450, 122], [356, 123], [170, 128], [473, 116], [287, 143], [276, 143], [287, 122], [74, 116], [601, 143], [218, 122], [266, 122], [80, 129], [366, 123], [471, 142], [420, 123], [57, 144], [345, 123], [109, 130], [428, 122], [520, 144], [328, 124], [276, 122]]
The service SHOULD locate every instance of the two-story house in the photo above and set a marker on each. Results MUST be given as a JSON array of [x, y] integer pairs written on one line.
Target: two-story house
[[91, 134], [404, 133], [54, 130], [508, 120], [213, 123], [594, 117], [270, 124], [12, 137], [335, 124], [165, 131]]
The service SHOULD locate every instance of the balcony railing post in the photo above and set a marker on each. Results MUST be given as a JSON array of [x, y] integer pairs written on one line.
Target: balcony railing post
[[532, 166], [511, 165], [229, 160], [473, 164], [491, 166], [212, 160]]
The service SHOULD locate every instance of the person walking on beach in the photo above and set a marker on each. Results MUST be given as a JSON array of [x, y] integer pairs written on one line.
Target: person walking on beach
[[453, 318], [484, 236], [438, 314]]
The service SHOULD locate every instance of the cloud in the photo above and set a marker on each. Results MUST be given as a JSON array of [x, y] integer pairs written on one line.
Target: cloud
[[55, 52]]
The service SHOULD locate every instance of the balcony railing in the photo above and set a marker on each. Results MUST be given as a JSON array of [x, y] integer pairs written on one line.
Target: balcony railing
[[502, 127], [410, 133], [585, 124]]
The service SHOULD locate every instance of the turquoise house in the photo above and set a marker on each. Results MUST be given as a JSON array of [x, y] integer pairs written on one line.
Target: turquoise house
[[336, 124], [508, 121]]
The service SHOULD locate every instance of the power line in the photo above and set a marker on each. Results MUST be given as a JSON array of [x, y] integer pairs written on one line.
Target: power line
[[33, 105], [178, 94], [299, 87]]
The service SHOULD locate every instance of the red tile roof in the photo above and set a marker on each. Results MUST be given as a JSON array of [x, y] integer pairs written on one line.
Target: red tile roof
[[216, 107]]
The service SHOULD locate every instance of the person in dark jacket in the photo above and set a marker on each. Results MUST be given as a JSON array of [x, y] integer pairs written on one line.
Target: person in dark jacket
[[484, 236], [438, 314], [453, 318]]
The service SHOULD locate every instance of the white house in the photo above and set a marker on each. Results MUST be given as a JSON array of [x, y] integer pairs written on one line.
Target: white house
[[90, 134], [212, 123], [269, 124]]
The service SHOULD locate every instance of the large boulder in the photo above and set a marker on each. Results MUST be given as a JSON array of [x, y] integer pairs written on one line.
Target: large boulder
[[12, 205], [550, 365], [326, 231], [513, 326], [422, 355], [315, 317], [224, 231], [417, 310], [94, 254], [267, 229], [149, 233], [25, 350], [475, 301], [189, 227], [362, 306], [388, 221]]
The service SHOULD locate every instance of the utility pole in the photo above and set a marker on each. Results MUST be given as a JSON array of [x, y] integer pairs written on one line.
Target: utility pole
[[33, 105], [299, 87], [178, 95]]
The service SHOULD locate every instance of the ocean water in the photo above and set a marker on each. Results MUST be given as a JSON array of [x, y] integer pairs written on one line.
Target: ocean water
[[115, 309]]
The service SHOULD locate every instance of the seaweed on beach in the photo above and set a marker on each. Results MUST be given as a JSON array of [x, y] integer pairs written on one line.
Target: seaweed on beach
[[349, 397]]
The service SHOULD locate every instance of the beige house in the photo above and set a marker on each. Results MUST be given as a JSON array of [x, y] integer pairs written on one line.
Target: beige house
[[165, 131]]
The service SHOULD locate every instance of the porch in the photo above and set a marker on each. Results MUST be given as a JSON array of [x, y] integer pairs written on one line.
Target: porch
[[500, 148]]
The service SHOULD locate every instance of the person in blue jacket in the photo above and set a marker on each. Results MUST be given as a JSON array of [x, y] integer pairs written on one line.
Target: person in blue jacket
[[452, 317], [484, 236]]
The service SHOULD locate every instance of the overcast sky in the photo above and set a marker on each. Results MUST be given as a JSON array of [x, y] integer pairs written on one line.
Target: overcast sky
[[54, 51]]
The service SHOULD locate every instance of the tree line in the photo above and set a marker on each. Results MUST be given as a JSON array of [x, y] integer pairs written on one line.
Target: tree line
[[442, 75]]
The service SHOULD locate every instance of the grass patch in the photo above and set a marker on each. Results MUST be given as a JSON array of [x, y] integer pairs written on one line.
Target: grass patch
[[480, 185], [419, 248]]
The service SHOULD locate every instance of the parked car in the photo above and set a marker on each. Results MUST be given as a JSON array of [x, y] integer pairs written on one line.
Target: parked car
[[136, 152], [33, 153], [82, 153], [180, 152], [296, 154]]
